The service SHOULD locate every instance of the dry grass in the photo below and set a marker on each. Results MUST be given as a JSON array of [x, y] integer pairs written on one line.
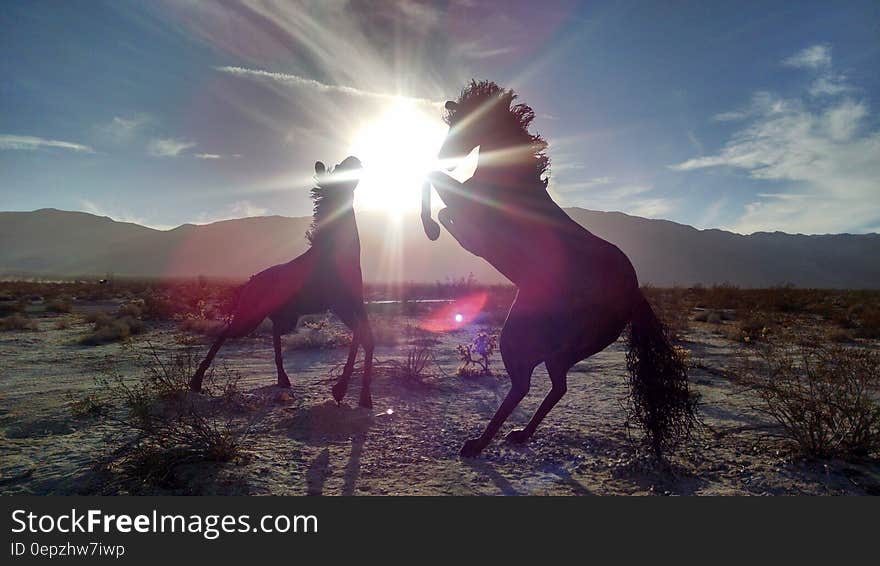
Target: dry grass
[[60, 305], [157, 425], [416, 368], [318, 335], [18, 322], [107, 328]]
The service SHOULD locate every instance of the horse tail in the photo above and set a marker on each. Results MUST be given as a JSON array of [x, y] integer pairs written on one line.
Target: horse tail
[[661, 401]]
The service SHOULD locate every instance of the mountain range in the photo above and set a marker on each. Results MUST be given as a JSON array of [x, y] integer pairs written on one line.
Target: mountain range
[[56, 243]]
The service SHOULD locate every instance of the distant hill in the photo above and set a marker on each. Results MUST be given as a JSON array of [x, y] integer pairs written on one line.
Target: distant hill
[[51, 242]]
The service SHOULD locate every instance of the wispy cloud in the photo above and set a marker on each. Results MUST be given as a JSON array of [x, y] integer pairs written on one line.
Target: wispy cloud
[[813, 57], [238, 209], [817, 59], [824, 150], [168, 147], [31, 143], [211, 156], [122, 130], [298, 81]]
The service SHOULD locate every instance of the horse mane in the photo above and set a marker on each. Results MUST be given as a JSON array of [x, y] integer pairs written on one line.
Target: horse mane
[[329, 198], [507, 119]]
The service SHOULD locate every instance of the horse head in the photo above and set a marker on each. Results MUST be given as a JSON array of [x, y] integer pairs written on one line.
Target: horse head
[[342, 178], [486, 116], [333, 193]]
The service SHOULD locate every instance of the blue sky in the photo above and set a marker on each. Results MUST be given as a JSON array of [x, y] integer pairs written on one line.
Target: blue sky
[[743, 116]]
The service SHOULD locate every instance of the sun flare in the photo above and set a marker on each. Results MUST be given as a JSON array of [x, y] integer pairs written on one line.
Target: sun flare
[[397, 150]]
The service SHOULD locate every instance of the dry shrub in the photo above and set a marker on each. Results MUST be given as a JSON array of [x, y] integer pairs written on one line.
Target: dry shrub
[[17, 321], [157, 425], [716, 297], [9, 307], [385, 333], [107, 329], [671, 306], [203, 326], [755, 327], [824, 397], [61, 305], [318, 335], [476, 356], [839, 335], [869, 323], [713, 316], [416, 368]]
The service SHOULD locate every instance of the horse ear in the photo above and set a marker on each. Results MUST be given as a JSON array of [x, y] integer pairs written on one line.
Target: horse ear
[[451, 105], [320, 169]]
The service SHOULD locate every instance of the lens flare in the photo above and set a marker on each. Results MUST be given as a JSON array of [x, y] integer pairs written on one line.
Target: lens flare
[[455, 314]]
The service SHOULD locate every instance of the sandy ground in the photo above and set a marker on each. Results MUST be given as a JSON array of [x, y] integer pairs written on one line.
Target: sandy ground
[[408, 444]]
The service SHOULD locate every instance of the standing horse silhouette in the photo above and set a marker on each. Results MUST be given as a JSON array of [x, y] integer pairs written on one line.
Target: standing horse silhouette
[[326, 277], [576, 292]]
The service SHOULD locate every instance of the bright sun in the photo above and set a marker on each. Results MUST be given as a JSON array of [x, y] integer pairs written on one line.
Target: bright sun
[[397, 150]]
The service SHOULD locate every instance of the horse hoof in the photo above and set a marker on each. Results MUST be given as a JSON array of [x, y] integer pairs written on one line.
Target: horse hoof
[[517, 436], [366, 402], [338, 394], [471, 448], [284, 382]]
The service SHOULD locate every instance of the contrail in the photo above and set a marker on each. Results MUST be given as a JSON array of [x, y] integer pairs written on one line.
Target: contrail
[[319, 86]]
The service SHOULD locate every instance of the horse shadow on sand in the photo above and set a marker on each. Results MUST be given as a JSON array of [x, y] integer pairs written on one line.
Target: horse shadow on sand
[[328, 425]]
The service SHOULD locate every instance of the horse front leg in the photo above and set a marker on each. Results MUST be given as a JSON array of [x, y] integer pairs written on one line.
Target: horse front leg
[[558, 371], [283, 380], [464, 230], [432, 229]]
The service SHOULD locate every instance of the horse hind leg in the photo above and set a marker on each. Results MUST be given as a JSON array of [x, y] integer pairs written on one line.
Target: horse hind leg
[[353, 320], [340, 388], [558, 369], [366, 337], [195, 384]]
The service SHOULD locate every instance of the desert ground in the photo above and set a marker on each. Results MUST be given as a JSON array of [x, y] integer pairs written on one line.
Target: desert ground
[[65, 431]]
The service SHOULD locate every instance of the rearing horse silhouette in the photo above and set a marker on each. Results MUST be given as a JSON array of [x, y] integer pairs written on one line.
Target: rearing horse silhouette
[[576, 292], [326, 276]]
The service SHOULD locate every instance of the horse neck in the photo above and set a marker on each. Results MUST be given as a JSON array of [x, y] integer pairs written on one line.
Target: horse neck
[[339, 235]]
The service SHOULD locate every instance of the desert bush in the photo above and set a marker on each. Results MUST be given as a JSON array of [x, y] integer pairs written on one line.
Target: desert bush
[[385, 333], [134, 309], [671, 306], [417, 367], [755, 327], [59, 305], [9, 307], [824, 397], [158, 425], [869, 323], [158, 306], [476, 356], [203, 326], [87, 406], [839, 335], [17, 321], [318, 335], [107, 329]]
